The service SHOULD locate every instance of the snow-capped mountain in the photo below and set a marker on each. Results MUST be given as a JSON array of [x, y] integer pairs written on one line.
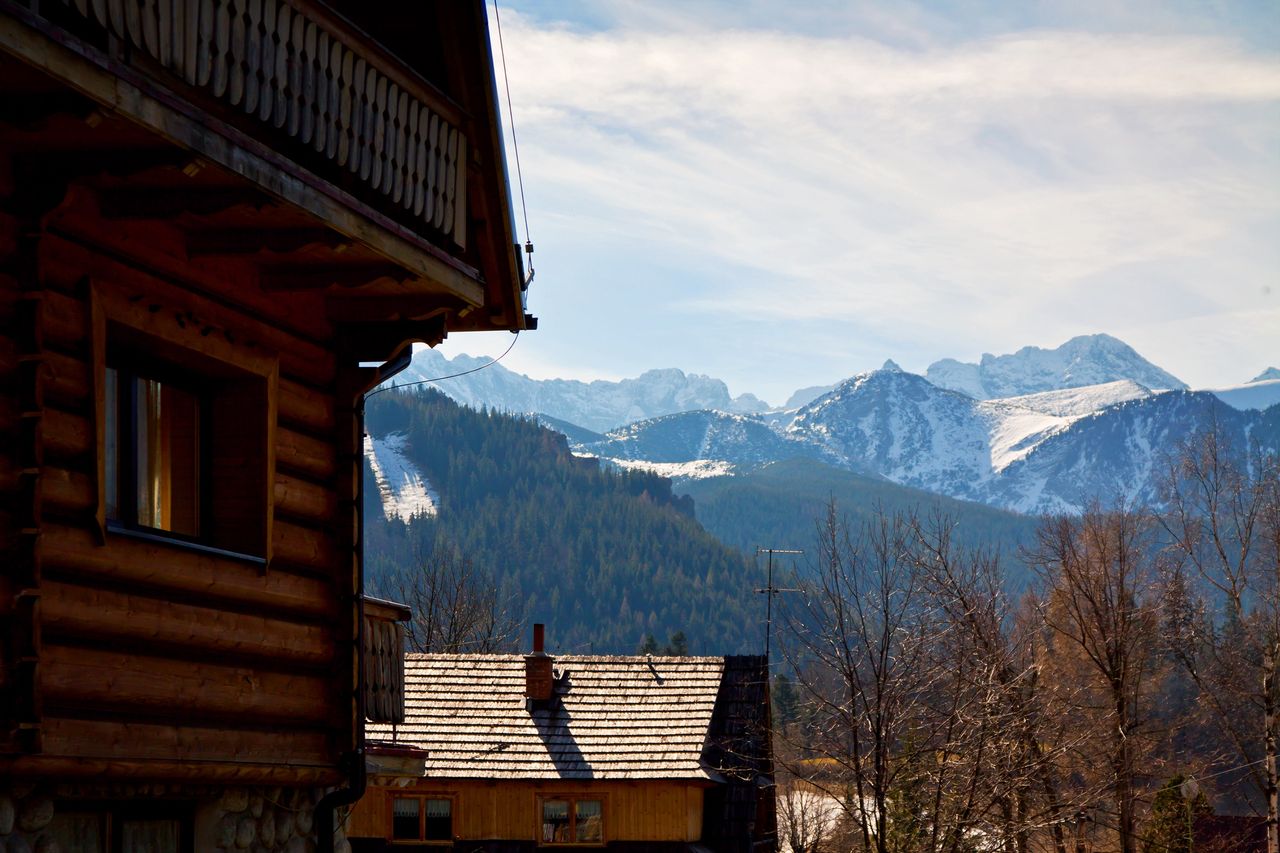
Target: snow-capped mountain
[[600, 405], [1267, 375], [1047, 452], [1081, 361], [739, 440], [1035, 431]]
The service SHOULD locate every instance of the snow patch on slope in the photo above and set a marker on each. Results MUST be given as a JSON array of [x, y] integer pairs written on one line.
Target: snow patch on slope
[[1016, 431], [405, 492], [1077, 402], [694, 469]]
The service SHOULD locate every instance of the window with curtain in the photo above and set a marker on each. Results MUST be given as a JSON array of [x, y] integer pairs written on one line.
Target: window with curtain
[[572, 820], [422, 818], [154, 458]]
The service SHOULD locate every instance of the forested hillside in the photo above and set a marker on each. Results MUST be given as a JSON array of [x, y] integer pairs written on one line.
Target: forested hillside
[[779, 506], [604, 558]]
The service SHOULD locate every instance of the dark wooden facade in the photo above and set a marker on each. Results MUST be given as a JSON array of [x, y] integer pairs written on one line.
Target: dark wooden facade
[[257, 203]]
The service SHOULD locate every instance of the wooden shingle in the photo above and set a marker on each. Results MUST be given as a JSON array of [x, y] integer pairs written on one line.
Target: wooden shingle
[[611, 717]]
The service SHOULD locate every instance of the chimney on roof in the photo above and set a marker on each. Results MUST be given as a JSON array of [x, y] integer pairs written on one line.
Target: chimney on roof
[[538, 682]]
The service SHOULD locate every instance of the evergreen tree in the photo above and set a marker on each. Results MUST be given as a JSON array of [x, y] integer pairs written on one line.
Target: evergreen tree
[[1173, 814]]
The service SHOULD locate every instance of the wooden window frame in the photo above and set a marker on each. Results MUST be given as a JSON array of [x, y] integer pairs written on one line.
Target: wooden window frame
[[422, 797], [112, 815], [182, 344], [572, 797]]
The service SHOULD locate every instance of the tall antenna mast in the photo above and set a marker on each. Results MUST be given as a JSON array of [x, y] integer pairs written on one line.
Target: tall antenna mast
[[770, 591]]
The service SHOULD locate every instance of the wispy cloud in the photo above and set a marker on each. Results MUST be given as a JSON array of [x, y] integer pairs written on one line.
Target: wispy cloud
[[948, 195]]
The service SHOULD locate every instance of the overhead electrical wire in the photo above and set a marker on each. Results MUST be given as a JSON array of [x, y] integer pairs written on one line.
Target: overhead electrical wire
[[515, 146], [524, 211], [394, 387]]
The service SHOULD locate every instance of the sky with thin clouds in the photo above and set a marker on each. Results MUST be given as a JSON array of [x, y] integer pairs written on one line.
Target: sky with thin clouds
[[783, 194]]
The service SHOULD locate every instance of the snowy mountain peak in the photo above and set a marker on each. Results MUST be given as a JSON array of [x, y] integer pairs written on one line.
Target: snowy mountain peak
[[890, 364], [600, 405], [1267, 375], [1082, 361]]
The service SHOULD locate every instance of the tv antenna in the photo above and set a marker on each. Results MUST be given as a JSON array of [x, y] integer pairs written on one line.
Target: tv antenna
[[770, 591]]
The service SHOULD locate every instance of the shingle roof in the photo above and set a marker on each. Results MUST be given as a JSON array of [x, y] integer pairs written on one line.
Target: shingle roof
[[612, 718]]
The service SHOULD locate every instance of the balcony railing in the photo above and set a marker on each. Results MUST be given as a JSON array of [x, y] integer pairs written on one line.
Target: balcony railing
[[384, 660], [300, 75]]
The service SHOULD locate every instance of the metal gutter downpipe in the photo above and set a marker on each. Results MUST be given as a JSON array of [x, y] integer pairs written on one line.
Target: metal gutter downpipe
[[359, 776]]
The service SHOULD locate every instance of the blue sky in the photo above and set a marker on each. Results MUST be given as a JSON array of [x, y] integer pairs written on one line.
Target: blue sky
[[784, 194]]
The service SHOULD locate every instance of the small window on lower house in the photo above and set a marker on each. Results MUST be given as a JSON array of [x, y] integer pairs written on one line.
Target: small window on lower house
[[572, 820], [406, 819], [424, 818], [438, 820]]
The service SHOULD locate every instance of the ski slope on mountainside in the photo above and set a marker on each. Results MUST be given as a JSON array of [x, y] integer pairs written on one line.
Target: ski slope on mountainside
[[405, 492]]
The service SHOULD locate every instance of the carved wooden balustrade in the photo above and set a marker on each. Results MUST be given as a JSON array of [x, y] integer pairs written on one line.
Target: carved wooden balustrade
[[304, 75], [384, 660]]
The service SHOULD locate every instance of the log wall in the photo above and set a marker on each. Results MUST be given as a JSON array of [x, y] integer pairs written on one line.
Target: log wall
[[136, 650], [507, 810]]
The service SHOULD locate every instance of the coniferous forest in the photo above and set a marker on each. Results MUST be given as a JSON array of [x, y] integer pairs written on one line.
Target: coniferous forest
[[604, 558]]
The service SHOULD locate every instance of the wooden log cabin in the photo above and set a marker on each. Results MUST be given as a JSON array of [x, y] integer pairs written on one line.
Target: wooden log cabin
[[517, 753], [221, 222]]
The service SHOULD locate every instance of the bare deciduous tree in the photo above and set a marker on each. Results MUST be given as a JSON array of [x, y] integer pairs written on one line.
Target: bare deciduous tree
[[457, 608], [1102, 625], [1222, 518]]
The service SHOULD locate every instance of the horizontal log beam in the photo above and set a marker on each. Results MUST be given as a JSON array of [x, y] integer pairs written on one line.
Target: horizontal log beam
[[306, 752], [72, 610], [57, 767], [305, 455], [306, 407], [304, 500], [303, 547], [67, 325], [110, 682], [171, 570]]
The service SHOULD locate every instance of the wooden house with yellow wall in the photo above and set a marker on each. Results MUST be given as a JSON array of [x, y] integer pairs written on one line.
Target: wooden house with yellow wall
[[625, 753], [221, 222]]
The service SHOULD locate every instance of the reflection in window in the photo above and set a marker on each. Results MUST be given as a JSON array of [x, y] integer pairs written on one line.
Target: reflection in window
[[572, 820], [439, 820], [150, 836], [78, 832], [405, 821], [588, 817], [153, 462], [555, 821]]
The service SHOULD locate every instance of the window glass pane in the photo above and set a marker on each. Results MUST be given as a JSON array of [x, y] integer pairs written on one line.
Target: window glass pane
[[180, 424], [167, 446], [78, 832], [110, 440], [147, 441], [149, 836], [404, 818], [439, 820], [555, 820], [589, 822]]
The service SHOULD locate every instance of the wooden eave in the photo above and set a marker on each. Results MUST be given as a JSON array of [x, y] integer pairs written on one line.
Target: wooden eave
[[237, 200]]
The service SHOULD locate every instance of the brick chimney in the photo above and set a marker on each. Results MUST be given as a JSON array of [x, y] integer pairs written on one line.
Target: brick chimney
[[537, 669]]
